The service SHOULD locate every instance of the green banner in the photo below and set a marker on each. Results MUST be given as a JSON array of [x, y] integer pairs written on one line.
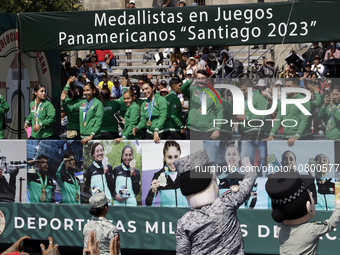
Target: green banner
[[287, 22], [139, 227]]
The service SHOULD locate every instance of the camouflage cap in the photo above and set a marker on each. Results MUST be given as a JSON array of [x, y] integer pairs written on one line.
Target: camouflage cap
[[98, 200], [190, 181], [189, 162]]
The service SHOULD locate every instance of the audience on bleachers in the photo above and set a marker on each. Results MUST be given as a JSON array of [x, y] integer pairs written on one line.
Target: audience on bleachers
[[219, 63]]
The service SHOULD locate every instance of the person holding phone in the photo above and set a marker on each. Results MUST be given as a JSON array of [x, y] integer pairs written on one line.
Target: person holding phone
[[330, 112], [109, 127], [42, 114], [131, 118], [126, 179], [153, 115], [91, 111]]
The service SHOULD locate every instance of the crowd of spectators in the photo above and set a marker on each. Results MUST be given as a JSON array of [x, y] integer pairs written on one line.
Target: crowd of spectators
[[311, 69]]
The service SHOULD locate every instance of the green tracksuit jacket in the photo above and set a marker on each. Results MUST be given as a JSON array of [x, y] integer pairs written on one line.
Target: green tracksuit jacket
[[227, 115], [69, 185], [197, 121], [304, 122], [158, 116], [46, 117], [331, 115], [72, 117], [4, 108], [93, 119], [174, 114], [109, 122], [131, 120], [259, 103]]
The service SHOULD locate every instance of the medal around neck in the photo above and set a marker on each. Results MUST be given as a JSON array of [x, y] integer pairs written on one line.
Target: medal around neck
[[148, 123], [43, 196]]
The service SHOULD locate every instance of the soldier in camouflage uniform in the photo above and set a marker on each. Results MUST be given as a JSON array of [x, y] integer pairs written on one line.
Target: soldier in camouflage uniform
[[104, 230], [211, 227]]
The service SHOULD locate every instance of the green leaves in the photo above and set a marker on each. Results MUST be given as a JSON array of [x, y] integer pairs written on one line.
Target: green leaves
[[18, 6]]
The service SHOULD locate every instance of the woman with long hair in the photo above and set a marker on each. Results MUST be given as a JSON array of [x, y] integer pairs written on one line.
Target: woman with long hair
[[165, 182], [42, 114], [127, 179], [91, 111], [131, 118], [99, 174], [153, 115]]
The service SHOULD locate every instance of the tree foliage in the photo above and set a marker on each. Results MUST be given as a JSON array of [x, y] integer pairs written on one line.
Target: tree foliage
[[18, 6]]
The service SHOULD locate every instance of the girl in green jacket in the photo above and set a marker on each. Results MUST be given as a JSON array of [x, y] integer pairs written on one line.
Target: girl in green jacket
[[154, 113], [131, 118], [73, 96], [91, 111], [42, 114]]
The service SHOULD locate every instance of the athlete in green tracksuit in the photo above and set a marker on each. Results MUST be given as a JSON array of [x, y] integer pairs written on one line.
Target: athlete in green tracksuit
[[153, 113], [109, 127], [4, 108], [330, 112], [73, 125], [42, 115], [39, 184], [131, 118], [202, 126], [298, 125], [174, 128], [252, 128], [226, 129], [68, 182], [91, 111]]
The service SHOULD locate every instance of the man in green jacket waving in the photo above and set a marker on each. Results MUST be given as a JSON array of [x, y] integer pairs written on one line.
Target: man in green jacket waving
[[203, 113]]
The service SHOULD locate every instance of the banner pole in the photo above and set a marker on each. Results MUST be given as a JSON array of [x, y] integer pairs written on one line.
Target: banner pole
[[19, 80]]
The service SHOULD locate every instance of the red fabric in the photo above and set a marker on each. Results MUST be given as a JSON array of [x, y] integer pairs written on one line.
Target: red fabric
[[101, 54], [209, 71], [13, 253]]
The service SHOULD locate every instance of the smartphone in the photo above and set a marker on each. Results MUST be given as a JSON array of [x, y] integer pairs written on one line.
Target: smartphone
[[32, 246], [118, 118]]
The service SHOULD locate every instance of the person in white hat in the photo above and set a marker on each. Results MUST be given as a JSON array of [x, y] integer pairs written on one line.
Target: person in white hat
[[182, 3], [131, 5], [263, 88]]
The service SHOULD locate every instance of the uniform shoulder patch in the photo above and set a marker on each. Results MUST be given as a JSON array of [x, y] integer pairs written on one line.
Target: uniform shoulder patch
[[226, 193], [319, 222]]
